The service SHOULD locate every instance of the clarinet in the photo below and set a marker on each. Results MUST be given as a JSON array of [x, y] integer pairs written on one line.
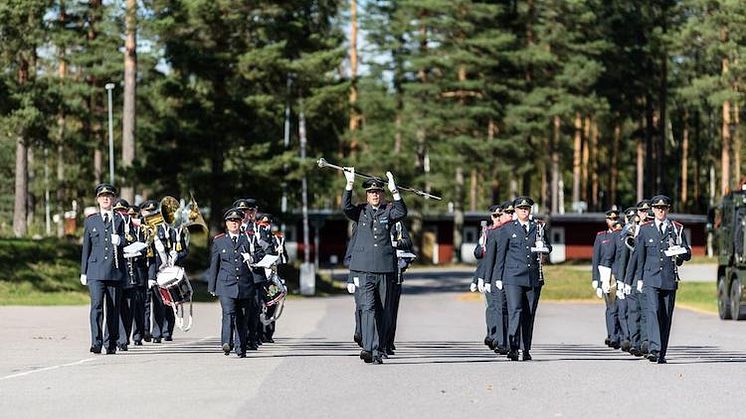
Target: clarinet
[[114, 248], [539, 255]]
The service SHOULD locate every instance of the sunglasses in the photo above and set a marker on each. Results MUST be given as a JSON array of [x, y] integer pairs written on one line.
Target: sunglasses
[[494, 215]]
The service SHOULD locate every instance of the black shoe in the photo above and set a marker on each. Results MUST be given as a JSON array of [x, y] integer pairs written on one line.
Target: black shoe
[[366, 356], [357, 338], [270, 340], [635, 352], [384, 355], [607, 342], [489, 343], [393, 347], [147, 337], [513, 355], [138, 343], [526, 356], [96, 349], [156, 340], [122, 347], [662, 360], [501, 350], [644, 348], [626, 345], [226, 349], [111, 351], [615, 345], [168, 338], [653, 356], [252, 347], [258, 342], [377, 360]]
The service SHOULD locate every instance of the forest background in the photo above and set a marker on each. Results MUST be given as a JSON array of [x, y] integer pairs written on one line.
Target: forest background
[[582, 104]]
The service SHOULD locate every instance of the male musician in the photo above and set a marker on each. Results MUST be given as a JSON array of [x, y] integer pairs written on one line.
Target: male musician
[[602, 261], [170, 250], [249, 208], [497, 304], [153, 302], [637, 319], [139, 276], [129, 302], [624, 290], [659, 275], [373, 255], [477, 283], [230, 279], [102, 268], [517, 269], [400, 241], [272, 245]]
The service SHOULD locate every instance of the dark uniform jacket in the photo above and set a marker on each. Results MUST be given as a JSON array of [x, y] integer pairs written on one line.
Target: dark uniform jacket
[[656, 269], [229, 275], [515, 264], [170, 241], [487, 264], [372, 250], [603, 253], [621, 257], [97, 260], [137, 272]]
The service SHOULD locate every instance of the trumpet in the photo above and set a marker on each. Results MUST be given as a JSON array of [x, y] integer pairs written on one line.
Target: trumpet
[[323, 163]]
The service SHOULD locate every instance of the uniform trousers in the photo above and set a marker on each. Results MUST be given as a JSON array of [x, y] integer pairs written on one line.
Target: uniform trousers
[[236, 314], [612, 317], [522, 303], [104, 303], [131, 312], [659, 316], [373, 289], [391, 313]]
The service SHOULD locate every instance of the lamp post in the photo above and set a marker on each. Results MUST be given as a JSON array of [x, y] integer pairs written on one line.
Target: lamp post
[[109, 87]]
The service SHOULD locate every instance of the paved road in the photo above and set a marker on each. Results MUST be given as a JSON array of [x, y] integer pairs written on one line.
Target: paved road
[[441, 369]]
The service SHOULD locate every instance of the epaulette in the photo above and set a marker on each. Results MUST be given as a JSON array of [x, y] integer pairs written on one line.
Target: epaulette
[[279, 233], [493, 227], [601, 232], [219, 236], [91, 214], [647, 222], [677, 224]]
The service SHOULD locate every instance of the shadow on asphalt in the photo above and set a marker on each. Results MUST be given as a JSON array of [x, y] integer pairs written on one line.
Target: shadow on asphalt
[[442, 352]]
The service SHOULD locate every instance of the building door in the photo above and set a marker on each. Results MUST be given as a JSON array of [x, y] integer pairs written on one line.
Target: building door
[[558, 245]]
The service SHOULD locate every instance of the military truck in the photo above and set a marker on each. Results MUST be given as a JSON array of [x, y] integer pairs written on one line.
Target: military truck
[[728, 223]]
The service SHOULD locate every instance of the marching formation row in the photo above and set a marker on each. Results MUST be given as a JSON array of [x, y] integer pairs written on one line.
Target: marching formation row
[[132, 263]]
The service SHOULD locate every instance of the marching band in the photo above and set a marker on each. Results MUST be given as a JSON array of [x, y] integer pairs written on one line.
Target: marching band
[[133, 265]]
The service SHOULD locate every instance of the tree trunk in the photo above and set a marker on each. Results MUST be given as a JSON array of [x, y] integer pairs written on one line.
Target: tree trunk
[[737, 143], [61, 123], [576, 156], [594, 164], [725, 150], [640, 168], [473, 190], [130, 90], [649, 151], [458, 215], [684, 161], [354, 116], [586, 158], [614, 175], [20, 226], [555, 165]]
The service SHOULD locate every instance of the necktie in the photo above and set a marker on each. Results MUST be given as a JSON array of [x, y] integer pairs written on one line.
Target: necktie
[[525, 227], [660, 228], [235, 241], [106, 218]]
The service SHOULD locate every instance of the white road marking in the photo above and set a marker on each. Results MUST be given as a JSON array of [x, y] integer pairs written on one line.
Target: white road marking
[[83, 361]]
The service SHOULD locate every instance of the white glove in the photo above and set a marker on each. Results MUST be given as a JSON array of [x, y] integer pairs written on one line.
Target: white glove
[[172, 255], [349, 176], [247, 258], [473, 287], [606, 287], [594, 284], [159, 246], [620, 293], [115, 240], [599, 293], [488, 288], [480, 285], [392, 184], [350, 287], [627, 289], [356, 281], [499, 285], [213, 294], [83, 279], [639, 286], [152, 283]]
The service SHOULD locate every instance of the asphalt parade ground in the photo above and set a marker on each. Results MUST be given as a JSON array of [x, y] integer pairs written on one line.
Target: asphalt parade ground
[[440, 370]]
